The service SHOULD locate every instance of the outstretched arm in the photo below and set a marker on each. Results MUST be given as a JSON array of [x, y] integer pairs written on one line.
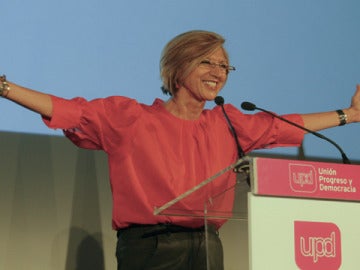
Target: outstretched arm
[[319, 121], [33, 100]]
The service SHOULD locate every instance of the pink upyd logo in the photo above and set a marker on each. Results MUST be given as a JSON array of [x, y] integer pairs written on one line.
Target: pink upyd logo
[[317, 245], [302, 178]]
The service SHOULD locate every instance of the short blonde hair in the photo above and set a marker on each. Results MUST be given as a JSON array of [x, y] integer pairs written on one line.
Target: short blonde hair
[[183, 53]]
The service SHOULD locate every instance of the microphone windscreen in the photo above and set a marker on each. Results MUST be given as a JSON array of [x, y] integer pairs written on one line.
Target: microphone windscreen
[[248, 106], [219, 100]]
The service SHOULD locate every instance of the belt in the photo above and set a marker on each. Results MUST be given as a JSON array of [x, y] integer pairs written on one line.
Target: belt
[[158, 229]]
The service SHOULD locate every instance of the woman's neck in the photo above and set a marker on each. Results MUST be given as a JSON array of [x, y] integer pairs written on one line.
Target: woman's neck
[[184, 109]]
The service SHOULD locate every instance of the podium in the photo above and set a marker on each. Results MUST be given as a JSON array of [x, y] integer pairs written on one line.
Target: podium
[[297, 215]]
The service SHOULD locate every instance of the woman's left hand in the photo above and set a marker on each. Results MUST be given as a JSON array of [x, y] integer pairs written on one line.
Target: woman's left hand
[[353, 112]]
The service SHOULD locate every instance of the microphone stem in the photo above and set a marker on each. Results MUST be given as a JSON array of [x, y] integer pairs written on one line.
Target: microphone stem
[[239, 149], [344, 157]]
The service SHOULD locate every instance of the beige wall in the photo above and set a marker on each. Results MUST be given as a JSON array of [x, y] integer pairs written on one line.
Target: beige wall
[[55, 205], [55, 208]]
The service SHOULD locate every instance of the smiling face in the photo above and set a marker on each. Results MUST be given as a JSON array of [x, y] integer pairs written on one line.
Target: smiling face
[[207, 79]]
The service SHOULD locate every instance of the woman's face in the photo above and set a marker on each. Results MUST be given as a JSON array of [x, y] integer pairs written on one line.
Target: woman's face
[[207, 79]]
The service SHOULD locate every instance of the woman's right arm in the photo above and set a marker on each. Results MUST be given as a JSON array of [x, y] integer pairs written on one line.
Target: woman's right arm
[[33, 100]]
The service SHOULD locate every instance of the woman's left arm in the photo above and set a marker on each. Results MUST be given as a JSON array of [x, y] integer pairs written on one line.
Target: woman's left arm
[[323, 120]]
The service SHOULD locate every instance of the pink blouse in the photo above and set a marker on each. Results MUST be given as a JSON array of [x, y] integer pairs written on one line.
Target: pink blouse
[[154, 156]]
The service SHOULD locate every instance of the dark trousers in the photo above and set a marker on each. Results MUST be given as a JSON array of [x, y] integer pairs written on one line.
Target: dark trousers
[[160, 247]]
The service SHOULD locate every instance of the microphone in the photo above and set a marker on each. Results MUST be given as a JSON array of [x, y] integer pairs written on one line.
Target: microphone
[[248, 106], [243, 169], [219, 100]]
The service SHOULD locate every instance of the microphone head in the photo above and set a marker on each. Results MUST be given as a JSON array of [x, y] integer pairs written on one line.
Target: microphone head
[[219, 100], [248, 106]]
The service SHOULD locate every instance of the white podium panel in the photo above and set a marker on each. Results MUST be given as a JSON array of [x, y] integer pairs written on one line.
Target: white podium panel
[[307, 234]]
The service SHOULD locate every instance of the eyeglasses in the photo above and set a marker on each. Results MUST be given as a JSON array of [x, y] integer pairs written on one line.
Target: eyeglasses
[[223, 67]]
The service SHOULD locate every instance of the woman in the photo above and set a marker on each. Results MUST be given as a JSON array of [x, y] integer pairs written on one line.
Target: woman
[[157, 152]]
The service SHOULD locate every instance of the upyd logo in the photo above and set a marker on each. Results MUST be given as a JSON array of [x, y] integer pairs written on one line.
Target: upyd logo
[[302, 178], [317, 245]]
